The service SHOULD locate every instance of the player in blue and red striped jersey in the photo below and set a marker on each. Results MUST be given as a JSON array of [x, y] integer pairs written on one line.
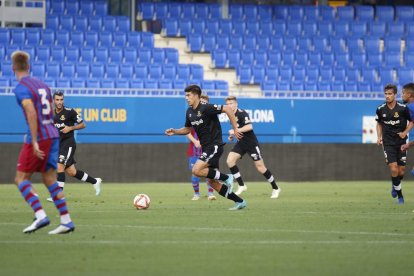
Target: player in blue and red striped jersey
[[41, 146], [194, 152]]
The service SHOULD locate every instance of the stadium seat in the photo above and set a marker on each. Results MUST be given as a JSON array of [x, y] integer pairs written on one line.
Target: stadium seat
[[268, 86], [107, 83], [369, 74], [328, 59], [274, 57], [263, 42], [63, 83], [134, 39], [209, 42], [126, 70], [109, 23], [236, 42], [244, 73], [364, 13], [337, 86], [172, 55], [141, 71], [43, 53], [288, 58], [183, 71], [260, 57], [97, 70], [195, 43], [295, 12], [91, 39], [49, 82], [116, 55], [48, 37], [155, 71], [311, 13], [358, 59], [327, 13], [372, 44], [290, 43], [62, 37], [354, 45], [250, 11], [339, 73], [120, 39], [202, 11], [199, 26], [310, 28], [166, 86], [95, 23], [77, 38], [57, 53], [341, 28], [374, 59], [320, 43], [32, 36], [52, 22], [72, 7], [68, 70], [66, 22], [409, 32], [82, 70], [352, 74], [364, 86], [179, 85], [53, 69], [325, 28], [392, 59], [351, 86], [310, 86], [130, 54], [341, 59], [325, 73], [144, 55], [285, 73], [386, 75], [188, 10], [208, 86], [404, 13], [158, 55], [281, 12], [315, 58], [38, 69], [105, 39], [377, 29], [345, 13], [123, 24], [324, 86], [299, 73], [277, 43], [101, 54], [283, 86], [408, 58], [93, 83], [31, 50], [253, 27], [212, 26], [312, 73], [87, 54], [359, 29], [197, 72], [247, 57], [396, 29], [158, 11], [86, 7], [384, 13], [18, 37], [249, 42], [405, 75], [101, 7], [6, 68], [147, 39], [136, 84], [58, 6], [337, 44], [279, 27], [258, 73], [297, 86], [266, 27], [223, 41], [239, 27], [122, 83], [272, 73], [222, 87], [184, 26], [233, 58], [305, 44], [294, 28], [151, 86], [377, 87], [219, 58], [169, 71]]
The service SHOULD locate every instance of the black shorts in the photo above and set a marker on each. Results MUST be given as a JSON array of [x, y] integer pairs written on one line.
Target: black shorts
[[211, 154], [393, 154], [67, 149], [252, 149]]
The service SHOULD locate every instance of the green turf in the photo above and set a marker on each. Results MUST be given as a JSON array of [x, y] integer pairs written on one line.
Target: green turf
[[338, 228]]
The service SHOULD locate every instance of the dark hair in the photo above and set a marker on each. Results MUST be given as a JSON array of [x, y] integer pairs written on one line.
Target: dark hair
[[58, 93], [392, 87], [195, 89], [231, 98], [409, 87]]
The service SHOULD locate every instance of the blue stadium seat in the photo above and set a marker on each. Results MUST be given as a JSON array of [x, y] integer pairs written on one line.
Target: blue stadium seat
[[202, 11], [147, 39], [86, 7], [116, 55], [253, 27], [288, 58], [374, 59], [325, 73], [53, 69], [101, 54], [396, 29], [10, 49], [354, 45], [123, 24], [369, 74], [233, 58], [327, 13], [299, 73], [297, 86], [337, 44], [72, 7], [184, 26], [183, 71], [82, 70], [285, 73], [18, 37], [353, 74], [274, 57], [32, 36], [324, 86], [97, 70], [172, 55], [311, 86], [134, 39], [341, 59], [122, 83], [109, 23], [239, 27], [339, 73], [295, 12], [38, 69], [290, 43], [409, 32], [212, 26], [258, 73], [359, 29], [214, 11], [141, 71], [105, 39], [266, 27], [341, 28], [280, 12], [63, 83], [62, 37], [325, 28], [195, 43], [48, 37], [58, 6], [312, 73], [263, 42], [101, 8], [279, 27], [169, 71], [197, 72], [320, 43], [91, 39], [66, 22], [208, 86], [250, 11], [337, 86], [155, 71], [158, 55], [219, 58], [364, 13], [52, 22], [159, 11], [209, 42], [6, 68], [244, 73], [175, 10], [345, 13], [305, 44], [384, 13], [144, 55], [126, 70], [404, 13], [268, 86], [386, 75], [107, 83], [148, 10], [120, 39], [377, 29], [260, 57], [226, 27], [315, 58], [377, 87], [43, 53], [283, 86], [222, 87], [68, 69], [166, 86], [93, 83], [130, 54], [294, 28], [180, 85], [272, 73], [408, 58], [95, 23], [277, 43], [151, 86], [136, 84], [236, 42], [49, 82], [87, 54], [310, 28], [351, 86], [249, 42], [311, 13], [328, 59], [77, 38], [188, 10], [372, 44], [58, 53], [392, 59], [31, 50], [199, 26], [247, 57]]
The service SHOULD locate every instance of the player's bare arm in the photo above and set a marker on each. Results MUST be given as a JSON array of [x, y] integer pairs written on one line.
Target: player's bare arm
[[194, 140], [406, 131], [180, 131], [32, 121], [379, 134], [67, 129], [232, 118]]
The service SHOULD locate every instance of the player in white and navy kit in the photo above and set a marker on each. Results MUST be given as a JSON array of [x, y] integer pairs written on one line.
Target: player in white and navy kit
[[393, 125]]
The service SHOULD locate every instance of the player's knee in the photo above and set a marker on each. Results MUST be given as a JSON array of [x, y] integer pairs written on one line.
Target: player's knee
[[195, 171]]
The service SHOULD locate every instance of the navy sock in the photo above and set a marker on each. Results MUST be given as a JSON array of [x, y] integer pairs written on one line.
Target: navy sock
[[236, 173]]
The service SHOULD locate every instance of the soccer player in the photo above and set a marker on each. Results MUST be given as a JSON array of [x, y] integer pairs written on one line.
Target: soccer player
[[40, 149], [393, 125], [247, 144], [193, 153], [203, 118], [67, 120], [408, 99]]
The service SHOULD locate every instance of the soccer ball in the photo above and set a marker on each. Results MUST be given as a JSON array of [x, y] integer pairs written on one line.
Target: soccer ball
[[142, 201]]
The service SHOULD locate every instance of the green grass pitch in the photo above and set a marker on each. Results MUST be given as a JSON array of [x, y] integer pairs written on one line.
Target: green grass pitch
[[323, 228]]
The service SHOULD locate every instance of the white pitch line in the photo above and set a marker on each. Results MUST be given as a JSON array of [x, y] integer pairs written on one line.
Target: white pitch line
[[247, 230]]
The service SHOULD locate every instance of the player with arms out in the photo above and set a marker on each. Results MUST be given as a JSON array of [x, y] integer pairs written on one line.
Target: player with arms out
[[67, 120], [247, 144], [194, 152], [203, 118], [393, 125], [40, 148]]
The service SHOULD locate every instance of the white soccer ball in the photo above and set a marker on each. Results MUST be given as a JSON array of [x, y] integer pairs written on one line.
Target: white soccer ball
[[142, 201]]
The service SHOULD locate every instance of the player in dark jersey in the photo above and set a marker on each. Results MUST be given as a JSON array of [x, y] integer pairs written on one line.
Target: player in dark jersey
[[393, 125], [40, 148], [203, 118], [193, 153], [248, 144], [67, 120]]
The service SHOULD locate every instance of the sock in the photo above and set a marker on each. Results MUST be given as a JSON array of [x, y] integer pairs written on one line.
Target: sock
[[83, 176], [61, 179], [224, 191], [32, 199], [210, 189], [214, 174], [270, 179], [60, 204], [196, 184], [236, 173], [396, 182]]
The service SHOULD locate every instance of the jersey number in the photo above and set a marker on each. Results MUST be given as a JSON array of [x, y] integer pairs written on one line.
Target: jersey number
[[45, 103]]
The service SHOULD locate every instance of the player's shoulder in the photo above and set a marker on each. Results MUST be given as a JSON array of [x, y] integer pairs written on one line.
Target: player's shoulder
[[381, 106], [401, 105]]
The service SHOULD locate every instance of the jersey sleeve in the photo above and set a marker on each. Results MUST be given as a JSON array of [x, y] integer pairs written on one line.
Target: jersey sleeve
[[377, 116], [187, 121], [22, 93], [244, 117], [409, 112], [75, 117], [212, 109]]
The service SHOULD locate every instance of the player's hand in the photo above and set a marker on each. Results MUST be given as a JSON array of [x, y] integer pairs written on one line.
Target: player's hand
[[197, 144], [66, 129], [169, 131], [402, 135], [405, 147], [238, 134], [36, 150], [231, 138], [379, 141]]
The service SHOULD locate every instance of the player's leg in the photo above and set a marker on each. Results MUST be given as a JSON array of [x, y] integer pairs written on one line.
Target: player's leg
[[50, 181], [210, 190], [195, 180], [392, 154], [60, 178], [231, 161], [261, 168], [28, 163]]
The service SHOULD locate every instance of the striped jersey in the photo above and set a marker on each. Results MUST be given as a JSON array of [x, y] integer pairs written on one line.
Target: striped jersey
[[39, 93], [192, 150]]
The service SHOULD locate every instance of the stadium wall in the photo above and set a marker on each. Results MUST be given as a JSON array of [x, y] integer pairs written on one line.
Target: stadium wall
[[168, 162]]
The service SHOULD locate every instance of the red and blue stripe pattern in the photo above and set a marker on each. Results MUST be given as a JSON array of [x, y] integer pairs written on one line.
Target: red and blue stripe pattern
[[60, 204], [31, 198]]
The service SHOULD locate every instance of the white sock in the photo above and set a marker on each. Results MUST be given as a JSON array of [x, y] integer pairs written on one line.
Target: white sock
[[61, 184], [41, 214], [65, 219]]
